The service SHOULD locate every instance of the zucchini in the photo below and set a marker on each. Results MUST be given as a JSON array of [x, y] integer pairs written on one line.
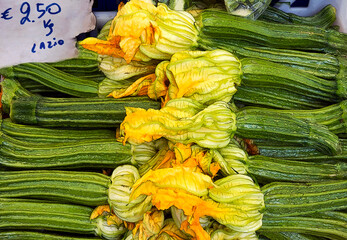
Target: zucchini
[[52, 78], [31, 235], [318, 225], [275, 98], [298, 152], [332, 116], [262, 74], [75, 112], [221, 25], [84, 154], [24, 214], [319, 64], [289, 236], [324, 18], [295, 199], [52, 135], [81, 188], [82, 221], [259, 123], [11, 89], [36, 87], [267, 169]]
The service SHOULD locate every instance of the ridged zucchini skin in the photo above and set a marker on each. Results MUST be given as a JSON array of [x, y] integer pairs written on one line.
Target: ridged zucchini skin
[[275, 98], [52, 78], [76, 112], [52, 135], [36, 87], [24, 214], [322, 65], [263, 73], [81, 188], [220, 24], [84, 154], [258, 123], [324, 18], [267, 169], [318, 225], [332, 116], [299, 152], [289, 236], [11, 90], [31, 235], [296, 199]]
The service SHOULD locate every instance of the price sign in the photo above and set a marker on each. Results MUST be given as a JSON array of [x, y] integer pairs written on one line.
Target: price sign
[[42, 30]]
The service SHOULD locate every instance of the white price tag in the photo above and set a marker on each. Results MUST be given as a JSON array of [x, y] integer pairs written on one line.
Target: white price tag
[[42, 30]]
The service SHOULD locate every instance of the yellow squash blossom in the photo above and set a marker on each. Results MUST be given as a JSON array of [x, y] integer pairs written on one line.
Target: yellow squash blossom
[[228, 234], [211, 127], [170, 231], [205, 76], [231, 158], [141, 31], [181, 178], [151, 225], [235, 202], [118, 69], [107, 224], [122, 179]]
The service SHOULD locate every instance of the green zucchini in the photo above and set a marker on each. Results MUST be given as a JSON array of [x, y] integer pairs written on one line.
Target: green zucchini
[[24, 214], [298, 152], [295, 199], [324, 18], [52, 78], [332, 116], [319, 64], [262, 74], [75, 112], [12, 89], [44, 216], [221, 25], [275, 98], [82, 188], [31, 235], [36, 87], [289, 236], [52, 135], [318, 225], [84, 154], [259, 123], [267, 169]]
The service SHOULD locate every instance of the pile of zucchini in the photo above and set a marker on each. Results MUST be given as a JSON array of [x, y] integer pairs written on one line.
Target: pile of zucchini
[[60, 138]]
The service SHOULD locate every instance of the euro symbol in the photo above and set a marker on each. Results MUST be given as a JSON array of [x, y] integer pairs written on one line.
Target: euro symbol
[[5, 14]]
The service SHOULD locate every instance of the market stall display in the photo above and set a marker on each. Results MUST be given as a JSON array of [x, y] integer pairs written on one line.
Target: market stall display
[[181, 120]]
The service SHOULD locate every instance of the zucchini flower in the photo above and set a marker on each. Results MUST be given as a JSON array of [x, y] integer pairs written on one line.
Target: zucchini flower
[[122, 179], [170, 231], [180, 218], [118, 69], [228, 234], [151, 225], [142, 31], [239, 210], [231, 158], [108, 225], [243, 201], [204, 76], [211, 127]]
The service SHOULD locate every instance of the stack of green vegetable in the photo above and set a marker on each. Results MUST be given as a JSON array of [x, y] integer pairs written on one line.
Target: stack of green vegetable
[[194, 124]]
